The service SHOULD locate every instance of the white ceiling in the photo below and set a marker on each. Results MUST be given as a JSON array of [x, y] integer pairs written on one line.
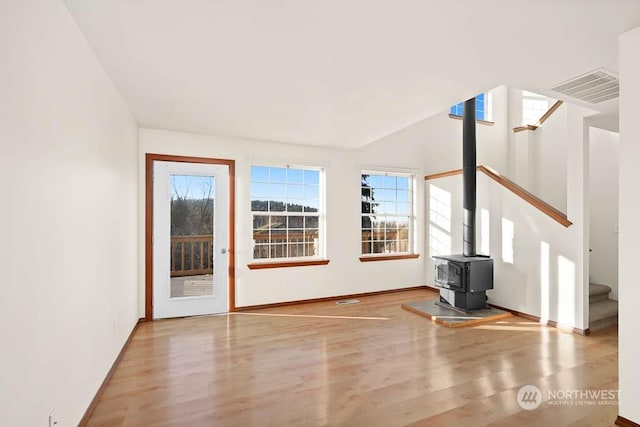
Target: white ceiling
[[339, 73]]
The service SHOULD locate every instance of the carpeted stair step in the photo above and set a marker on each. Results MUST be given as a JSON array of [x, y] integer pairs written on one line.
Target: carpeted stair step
[[603, 314], [598, 292]]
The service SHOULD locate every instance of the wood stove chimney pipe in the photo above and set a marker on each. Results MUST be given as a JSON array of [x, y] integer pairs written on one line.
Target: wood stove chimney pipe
[[469, 177]]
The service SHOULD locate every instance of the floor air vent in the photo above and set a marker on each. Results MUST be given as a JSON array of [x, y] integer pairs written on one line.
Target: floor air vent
[[594, 87], [347, 301]]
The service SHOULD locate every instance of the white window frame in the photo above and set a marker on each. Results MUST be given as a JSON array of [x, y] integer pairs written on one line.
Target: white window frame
[[411, 238], [488, 107], [531, 96], [321, 214]]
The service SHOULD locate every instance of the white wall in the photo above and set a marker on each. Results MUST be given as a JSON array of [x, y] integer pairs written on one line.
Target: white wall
[[548, 161], [440, 139], [345, 274], [433, 145], [536, 269], [519, 284], [538, 159], [69, 191], [629, 250], [603, 187]]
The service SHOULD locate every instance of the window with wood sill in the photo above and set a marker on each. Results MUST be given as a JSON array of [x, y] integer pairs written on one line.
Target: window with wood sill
[[287, 210], [387, 216]]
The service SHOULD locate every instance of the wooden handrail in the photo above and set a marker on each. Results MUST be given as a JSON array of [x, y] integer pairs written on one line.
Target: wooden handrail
[[549, 112], [542, 119], [536, 202], [525, 127]]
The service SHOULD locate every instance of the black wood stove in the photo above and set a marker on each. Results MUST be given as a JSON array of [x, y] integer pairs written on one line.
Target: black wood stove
[[464, 279]]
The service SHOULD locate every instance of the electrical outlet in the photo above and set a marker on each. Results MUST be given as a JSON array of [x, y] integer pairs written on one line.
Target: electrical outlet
[[54, 421]]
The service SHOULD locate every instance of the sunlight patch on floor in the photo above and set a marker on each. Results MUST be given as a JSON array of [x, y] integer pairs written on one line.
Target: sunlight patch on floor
[[310, 316]]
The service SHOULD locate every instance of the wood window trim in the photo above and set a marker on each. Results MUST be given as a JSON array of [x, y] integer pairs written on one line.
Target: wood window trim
[[481, 122], [284, 264], [370, 258], [148, 226]]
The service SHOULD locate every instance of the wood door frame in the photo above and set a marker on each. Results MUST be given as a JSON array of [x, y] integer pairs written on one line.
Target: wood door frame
[[148, 223]]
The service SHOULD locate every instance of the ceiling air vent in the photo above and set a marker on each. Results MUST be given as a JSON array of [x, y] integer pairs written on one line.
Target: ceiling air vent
[[594, 87]]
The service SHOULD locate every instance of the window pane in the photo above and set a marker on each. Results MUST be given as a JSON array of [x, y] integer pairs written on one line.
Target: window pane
[[259, 174], [296, 222], [458, 109], [378, 222], [290, 193], [310, 234], [311, 222], [277, 222], [403, 208], [259, 190], [296, 243], [295, 205], [276, 206], [377, 247], [311, 192], [390, 182], [296, 249], [311, 177], [260, 222], [311, 242], [278, 175], [387, 209], [260, 251], [277, 191], [295, 176], [279, 249], [311, 205], [259, 205], [403, 183], [295, 191], [386, 195], [367, 194], [377, 181], [403, 234]]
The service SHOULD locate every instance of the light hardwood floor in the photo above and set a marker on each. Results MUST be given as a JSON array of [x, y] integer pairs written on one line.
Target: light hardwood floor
[[367, 364]]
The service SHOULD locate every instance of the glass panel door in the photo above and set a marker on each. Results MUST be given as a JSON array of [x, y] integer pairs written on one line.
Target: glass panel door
[[190, 237]]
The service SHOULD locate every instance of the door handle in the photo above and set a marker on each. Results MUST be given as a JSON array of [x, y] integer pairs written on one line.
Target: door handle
[[223, 251]]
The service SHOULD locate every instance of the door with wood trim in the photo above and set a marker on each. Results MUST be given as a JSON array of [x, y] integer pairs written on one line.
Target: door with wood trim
[[190, 238]]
